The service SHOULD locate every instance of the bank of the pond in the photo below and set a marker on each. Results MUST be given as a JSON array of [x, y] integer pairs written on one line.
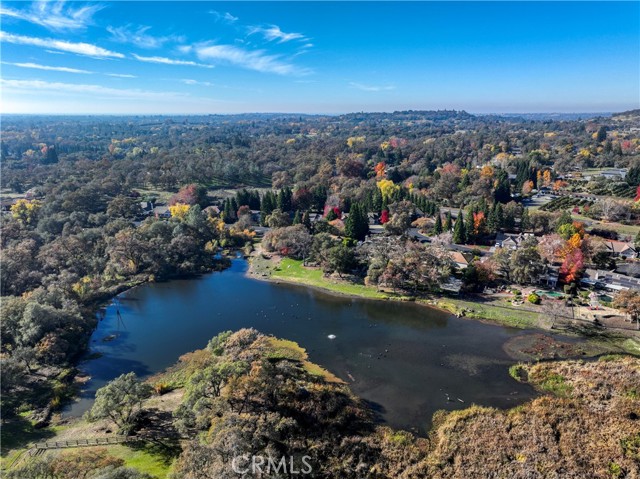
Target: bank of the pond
[[287, 270]]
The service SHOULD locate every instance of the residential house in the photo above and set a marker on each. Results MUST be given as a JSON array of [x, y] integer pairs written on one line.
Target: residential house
[[511, 241], [459, 259], [609, 280], [622, 249], [161, 211]]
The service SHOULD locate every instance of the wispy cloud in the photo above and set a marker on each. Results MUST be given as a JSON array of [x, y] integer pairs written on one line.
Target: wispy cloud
[[223, 16], [120, 75], [170, 61], [188, 81], [37, 66], [362, 87], [56, 16], [139, 37], [79, 48], [257, 60], [84, 89], [273, 32]]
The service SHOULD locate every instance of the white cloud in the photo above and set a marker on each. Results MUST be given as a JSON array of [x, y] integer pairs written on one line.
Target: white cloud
[[226, 16], [120, 75], [274, 33], [362, 87], [37, 66], [139, 36], [84, 89], [257, 60], [79, 48], [170, 61], [188, 81], [55, 15]]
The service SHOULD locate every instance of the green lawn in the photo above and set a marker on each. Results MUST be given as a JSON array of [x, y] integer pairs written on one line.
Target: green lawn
[[520, 318], [292, 270], [151, 458]]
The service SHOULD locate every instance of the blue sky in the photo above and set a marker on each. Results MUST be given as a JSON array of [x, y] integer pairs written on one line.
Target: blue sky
[[318, 57]]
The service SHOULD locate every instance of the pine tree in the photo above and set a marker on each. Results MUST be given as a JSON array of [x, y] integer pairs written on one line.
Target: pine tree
[[297, 219], [267, 206], [459, 230], [357, 224], [525, 221], [492, 225], [499, 216], [228, 216], [437, 228], [469, 234], [306, 220], [448, 221]]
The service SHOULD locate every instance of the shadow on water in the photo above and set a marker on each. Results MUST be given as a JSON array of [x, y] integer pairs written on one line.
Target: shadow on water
[[405, 359]]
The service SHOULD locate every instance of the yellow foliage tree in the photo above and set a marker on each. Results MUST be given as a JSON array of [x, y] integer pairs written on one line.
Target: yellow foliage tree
[[26, 211], [388, 188], [179, 211], [487, 171], [354, 140]]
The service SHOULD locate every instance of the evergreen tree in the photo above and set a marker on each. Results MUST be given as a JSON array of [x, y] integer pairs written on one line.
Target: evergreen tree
[[234, 208], [284, 200], [492, 225], [502, 193], [227, 214], [499, 216], [357, 224], [297, 219], [525, 221], [437, 228], [267, 206], [331, 215], [459, 230], [469, 234], [448, 221], [306, 220], [564, 219]]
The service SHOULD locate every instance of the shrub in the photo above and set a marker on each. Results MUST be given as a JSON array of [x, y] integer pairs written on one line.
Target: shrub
[[533, 298]]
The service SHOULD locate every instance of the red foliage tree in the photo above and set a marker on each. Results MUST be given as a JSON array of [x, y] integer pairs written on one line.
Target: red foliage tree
[[384, 217], [572, 266]]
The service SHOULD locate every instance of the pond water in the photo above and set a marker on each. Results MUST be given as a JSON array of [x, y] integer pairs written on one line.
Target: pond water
[[407, 360]]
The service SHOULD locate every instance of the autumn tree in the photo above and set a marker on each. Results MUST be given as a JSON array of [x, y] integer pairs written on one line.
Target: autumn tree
[[191, 194], [628, 301]]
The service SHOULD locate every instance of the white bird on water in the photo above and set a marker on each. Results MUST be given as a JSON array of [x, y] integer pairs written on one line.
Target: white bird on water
[[332, 336]]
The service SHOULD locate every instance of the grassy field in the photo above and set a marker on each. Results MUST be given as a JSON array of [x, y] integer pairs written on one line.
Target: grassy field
[[506, 316], [293, 271], [151, 458]]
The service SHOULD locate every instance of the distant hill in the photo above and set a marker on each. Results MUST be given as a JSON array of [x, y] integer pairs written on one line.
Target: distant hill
[[628, 113], [410, 115]]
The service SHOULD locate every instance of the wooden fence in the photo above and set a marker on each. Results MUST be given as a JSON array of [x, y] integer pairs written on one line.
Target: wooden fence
[[99, 441]]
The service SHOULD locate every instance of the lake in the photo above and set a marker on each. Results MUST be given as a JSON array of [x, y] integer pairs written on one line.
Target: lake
[[407, 360]]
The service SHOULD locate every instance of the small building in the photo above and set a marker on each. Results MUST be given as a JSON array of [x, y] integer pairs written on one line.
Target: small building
[[161, 211], [459, 260], [621, 249], [511, 241]]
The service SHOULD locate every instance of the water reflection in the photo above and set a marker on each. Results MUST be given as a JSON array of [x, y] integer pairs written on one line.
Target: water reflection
[[407, 360]]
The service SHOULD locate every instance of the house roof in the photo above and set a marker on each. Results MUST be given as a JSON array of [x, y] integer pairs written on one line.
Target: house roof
[[620, 246], [458, 257]]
